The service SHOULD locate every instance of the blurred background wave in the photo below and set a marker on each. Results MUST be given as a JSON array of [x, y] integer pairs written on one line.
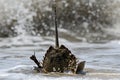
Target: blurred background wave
[[85, 20]]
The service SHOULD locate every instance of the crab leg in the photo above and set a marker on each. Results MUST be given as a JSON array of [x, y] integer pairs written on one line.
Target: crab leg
[[80, 68], [33, 57]]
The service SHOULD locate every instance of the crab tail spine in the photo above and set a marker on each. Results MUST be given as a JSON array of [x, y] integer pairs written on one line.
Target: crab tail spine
[[56, 27]]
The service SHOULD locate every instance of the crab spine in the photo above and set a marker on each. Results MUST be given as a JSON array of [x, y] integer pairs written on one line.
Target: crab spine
[[56, 26]]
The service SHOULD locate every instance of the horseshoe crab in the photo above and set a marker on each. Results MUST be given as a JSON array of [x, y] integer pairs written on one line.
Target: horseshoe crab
[[59, 59]]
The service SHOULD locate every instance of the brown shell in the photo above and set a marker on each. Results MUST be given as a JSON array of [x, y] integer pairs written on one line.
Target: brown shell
[[59, 60]]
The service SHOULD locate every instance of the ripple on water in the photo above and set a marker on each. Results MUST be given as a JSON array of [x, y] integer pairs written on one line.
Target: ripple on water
[[26, 72]]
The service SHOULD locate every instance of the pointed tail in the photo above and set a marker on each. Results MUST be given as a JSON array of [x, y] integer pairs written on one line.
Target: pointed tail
[[56, 27]]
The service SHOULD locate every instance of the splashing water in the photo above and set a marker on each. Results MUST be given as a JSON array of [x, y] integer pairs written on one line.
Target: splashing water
[[30, 17], [27, 25]]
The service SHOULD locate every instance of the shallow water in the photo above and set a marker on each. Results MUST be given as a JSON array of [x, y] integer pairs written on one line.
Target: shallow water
[[102, 59], [99, 49]]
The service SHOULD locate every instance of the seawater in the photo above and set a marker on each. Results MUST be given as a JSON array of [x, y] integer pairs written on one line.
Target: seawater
[[102, 57]]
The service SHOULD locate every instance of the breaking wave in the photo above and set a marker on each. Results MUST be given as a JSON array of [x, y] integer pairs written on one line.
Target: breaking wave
[[90, 20]]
